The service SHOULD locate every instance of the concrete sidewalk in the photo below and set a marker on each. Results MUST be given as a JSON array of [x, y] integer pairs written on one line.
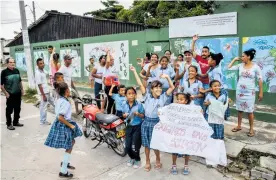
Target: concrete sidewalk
[[25, 157]]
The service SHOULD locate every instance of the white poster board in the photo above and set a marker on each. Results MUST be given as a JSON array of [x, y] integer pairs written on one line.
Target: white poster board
[[182, 129], [207, 25], [216, 111], [118, 49]]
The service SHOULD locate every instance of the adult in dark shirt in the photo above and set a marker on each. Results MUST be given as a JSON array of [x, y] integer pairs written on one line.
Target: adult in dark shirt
[[12, 87]]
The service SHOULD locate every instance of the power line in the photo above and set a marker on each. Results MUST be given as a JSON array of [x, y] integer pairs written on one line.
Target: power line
[[39, 7]]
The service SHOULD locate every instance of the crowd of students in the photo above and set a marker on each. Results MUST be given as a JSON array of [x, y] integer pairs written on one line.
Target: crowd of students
[[197, 82], [191, 79]]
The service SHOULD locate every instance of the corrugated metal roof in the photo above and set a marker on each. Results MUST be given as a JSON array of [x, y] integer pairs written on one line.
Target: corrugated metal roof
[[54, 25]]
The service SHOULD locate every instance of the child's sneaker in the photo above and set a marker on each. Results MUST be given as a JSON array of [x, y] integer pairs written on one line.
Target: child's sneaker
[[186, 170], [136, 164], [174, 170], [130, 162]]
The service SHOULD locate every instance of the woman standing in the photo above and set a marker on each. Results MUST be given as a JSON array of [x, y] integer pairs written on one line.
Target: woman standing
[[97, 73], [55, 65], [245, 93]]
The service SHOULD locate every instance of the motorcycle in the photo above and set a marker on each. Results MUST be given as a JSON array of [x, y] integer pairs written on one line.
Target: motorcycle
[[104, 128]]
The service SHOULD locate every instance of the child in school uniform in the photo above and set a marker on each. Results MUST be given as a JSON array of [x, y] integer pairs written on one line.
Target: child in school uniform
[[133, 112], [164, 68], [63, 131], [181, 99], [193, 86], [153, 100], [58, 77], [215, 73], [216, 94], [118, 98]]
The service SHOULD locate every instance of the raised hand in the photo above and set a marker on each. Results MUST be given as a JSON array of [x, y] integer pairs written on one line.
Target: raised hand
[[237, 58], [132, 68], [195, 37], [164, 76]]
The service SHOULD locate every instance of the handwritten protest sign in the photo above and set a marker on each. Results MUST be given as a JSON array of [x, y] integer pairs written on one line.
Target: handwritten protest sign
[[216, 111], [182, 129]]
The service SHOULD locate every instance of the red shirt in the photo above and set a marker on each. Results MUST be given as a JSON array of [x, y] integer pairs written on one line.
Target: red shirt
[[203, 63]]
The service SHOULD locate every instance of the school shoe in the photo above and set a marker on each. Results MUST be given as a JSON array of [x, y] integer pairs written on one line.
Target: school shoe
[[186, 171], [174, 170], [45, 123], [68, 166], [18, 124], [136, 164], [130, 162], [67, 175], [10, 127]]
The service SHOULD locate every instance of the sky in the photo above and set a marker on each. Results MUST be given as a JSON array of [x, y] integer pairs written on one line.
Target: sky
[[10, 14]]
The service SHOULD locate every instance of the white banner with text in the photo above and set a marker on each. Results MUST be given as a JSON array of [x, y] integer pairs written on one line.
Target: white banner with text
[[207, 25], [182, 129]]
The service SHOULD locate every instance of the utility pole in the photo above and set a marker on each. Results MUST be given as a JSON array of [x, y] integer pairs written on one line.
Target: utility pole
[[34, 11], [27, 46], [2, 51]]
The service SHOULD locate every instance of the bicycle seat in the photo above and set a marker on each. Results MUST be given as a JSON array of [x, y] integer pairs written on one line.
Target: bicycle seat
[[106, 118]]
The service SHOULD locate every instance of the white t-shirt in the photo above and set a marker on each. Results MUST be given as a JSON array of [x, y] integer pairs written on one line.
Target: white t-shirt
[[100, 71], [110, 70], [40, 78], [67, 74]]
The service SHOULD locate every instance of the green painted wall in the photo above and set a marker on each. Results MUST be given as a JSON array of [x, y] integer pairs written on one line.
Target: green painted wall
[[134, 51]]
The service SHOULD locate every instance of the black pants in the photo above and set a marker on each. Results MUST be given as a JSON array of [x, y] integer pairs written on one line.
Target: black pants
[[110, 101], [13, 106], [133, 142], [119, 114], [97, 89]]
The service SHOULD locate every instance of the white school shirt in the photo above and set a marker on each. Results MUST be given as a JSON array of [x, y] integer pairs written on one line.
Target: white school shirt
[[67, 74], [40, 78]]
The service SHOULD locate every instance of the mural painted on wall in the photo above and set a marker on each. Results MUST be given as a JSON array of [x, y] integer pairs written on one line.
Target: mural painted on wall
[[118, 49], [229, 47], [265, 47], [76, 61], [20, 61], [45, 56]]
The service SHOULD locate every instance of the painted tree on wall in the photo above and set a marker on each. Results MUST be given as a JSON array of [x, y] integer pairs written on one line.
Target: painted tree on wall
[[155, 13]]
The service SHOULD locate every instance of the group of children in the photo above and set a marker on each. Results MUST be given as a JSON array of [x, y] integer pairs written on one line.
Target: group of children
[[158, 91]]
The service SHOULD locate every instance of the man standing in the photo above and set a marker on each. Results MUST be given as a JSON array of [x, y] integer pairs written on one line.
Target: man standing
[[67, 71], [202, 61], [43, 91], [12, 87], [51, 52]]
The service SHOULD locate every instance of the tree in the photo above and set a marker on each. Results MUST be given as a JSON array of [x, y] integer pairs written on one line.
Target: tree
[[155, 13], [110, 11]]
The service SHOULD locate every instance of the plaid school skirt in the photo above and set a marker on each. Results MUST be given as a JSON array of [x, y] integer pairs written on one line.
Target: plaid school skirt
[[61, 136], [217, 128], [146, 130], [218, 131]]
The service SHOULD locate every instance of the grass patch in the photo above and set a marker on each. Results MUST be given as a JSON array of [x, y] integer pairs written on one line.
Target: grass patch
[[30, 96]]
